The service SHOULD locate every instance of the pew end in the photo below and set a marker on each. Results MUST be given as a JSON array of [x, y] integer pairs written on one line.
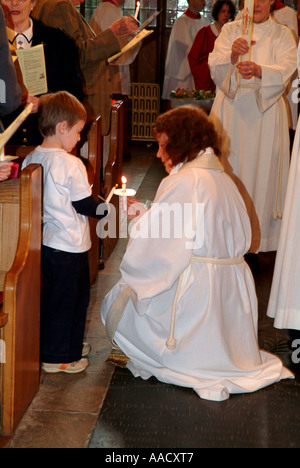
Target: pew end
[[113, 167], [21, 285]]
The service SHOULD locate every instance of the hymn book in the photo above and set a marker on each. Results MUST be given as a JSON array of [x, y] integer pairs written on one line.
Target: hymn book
[[33, 68]]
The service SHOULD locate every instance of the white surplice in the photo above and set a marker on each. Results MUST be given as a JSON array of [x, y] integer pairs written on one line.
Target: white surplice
[[215, 304], [284, 302], [177, 68], [252, 118]]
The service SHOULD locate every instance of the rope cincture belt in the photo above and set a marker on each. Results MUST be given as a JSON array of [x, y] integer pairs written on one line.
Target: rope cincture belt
[[171, 341]]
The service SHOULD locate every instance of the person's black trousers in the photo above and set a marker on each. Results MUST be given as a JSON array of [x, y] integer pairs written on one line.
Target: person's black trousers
[[65, 300]]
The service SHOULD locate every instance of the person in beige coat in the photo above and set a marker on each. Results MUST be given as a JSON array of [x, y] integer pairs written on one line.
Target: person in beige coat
[[94, 50]]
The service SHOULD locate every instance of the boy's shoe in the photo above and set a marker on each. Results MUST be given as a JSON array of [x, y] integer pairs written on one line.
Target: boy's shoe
[[69, 368], [86, 349]]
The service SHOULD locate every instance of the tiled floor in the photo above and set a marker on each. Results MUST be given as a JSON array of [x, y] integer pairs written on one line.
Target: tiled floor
[[105, 409]]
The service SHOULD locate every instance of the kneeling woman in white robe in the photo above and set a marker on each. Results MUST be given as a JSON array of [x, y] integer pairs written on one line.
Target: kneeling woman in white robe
[[185, 310]]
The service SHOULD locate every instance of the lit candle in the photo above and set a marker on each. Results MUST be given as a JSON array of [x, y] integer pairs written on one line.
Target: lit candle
[[247, 26], [124, 181], [137, 10]]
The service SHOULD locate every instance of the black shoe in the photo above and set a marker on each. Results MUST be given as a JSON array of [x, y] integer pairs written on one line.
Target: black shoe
[[101, 265]]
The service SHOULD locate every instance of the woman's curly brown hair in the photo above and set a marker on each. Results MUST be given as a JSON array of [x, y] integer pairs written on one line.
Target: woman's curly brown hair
[[189, 131]]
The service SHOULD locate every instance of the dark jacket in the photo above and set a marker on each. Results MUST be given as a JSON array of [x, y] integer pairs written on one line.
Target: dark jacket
[[10, 92], [63, 74]]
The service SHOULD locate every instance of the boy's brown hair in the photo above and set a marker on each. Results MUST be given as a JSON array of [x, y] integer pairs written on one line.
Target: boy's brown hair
[[59, 107]]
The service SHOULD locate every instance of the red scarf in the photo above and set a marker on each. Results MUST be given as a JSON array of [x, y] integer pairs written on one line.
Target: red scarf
[[112, 2], [277, 5], [190, 14]]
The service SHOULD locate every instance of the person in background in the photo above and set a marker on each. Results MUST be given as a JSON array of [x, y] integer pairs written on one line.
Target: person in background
[[190, 319], [67, 203], [61, 60], [177, 69], [297, 6], [105, 15], [250, 112], [283, 14], [94, 50], [222, 12], [10, 91], [108, 12], [284, 301]]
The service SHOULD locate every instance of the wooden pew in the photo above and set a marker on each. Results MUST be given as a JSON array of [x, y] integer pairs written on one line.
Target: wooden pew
[[21, 235], [113, 168], [93, 166]]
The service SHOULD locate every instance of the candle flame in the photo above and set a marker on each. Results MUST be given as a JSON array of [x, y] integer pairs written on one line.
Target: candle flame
[[138, 4], [124, 180]]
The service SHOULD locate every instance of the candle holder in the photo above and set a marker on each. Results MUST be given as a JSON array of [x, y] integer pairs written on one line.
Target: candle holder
[[125, 193]]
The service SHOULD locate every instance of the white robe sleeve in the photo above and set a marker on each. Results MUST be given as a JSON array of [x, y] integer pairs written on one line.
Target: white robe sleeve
[[154, 260], [223, 73], [275, 77]]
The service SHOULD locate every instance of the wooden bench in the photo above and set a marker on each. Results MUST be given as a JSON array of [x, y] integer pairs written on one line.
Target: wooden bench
[[20, 281], [113, 167], [93, 166]]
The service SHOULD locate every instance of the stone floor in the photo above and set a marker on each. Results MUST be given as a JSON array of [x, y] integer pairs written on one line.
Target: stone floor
[[102, 408]]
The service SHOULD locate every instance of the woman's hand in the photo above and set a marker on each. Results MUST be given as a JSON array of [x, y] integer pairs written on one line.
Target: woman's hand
[[249, 69], [239, 47], [35, 101], [135, 209], [5, 170]]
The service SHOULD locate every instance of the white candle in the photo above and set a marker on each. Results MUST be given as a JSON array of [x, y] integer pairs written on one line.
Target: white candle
[[137, 10], [8, 133], [247, 26], [124, 181], [111, 193]]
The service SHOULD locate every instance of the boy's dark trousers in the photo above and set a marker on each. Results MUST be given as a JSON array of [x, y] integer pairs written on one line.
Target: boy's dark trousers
[[65, 300]]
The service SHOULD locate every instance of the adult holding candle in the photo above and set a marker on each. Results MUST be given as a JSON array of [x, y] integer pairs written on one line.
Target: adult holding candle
[[251, 113], [94, 50], [5, 170], [61, 57], [10, 93], [106, 14], [185, 308]]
